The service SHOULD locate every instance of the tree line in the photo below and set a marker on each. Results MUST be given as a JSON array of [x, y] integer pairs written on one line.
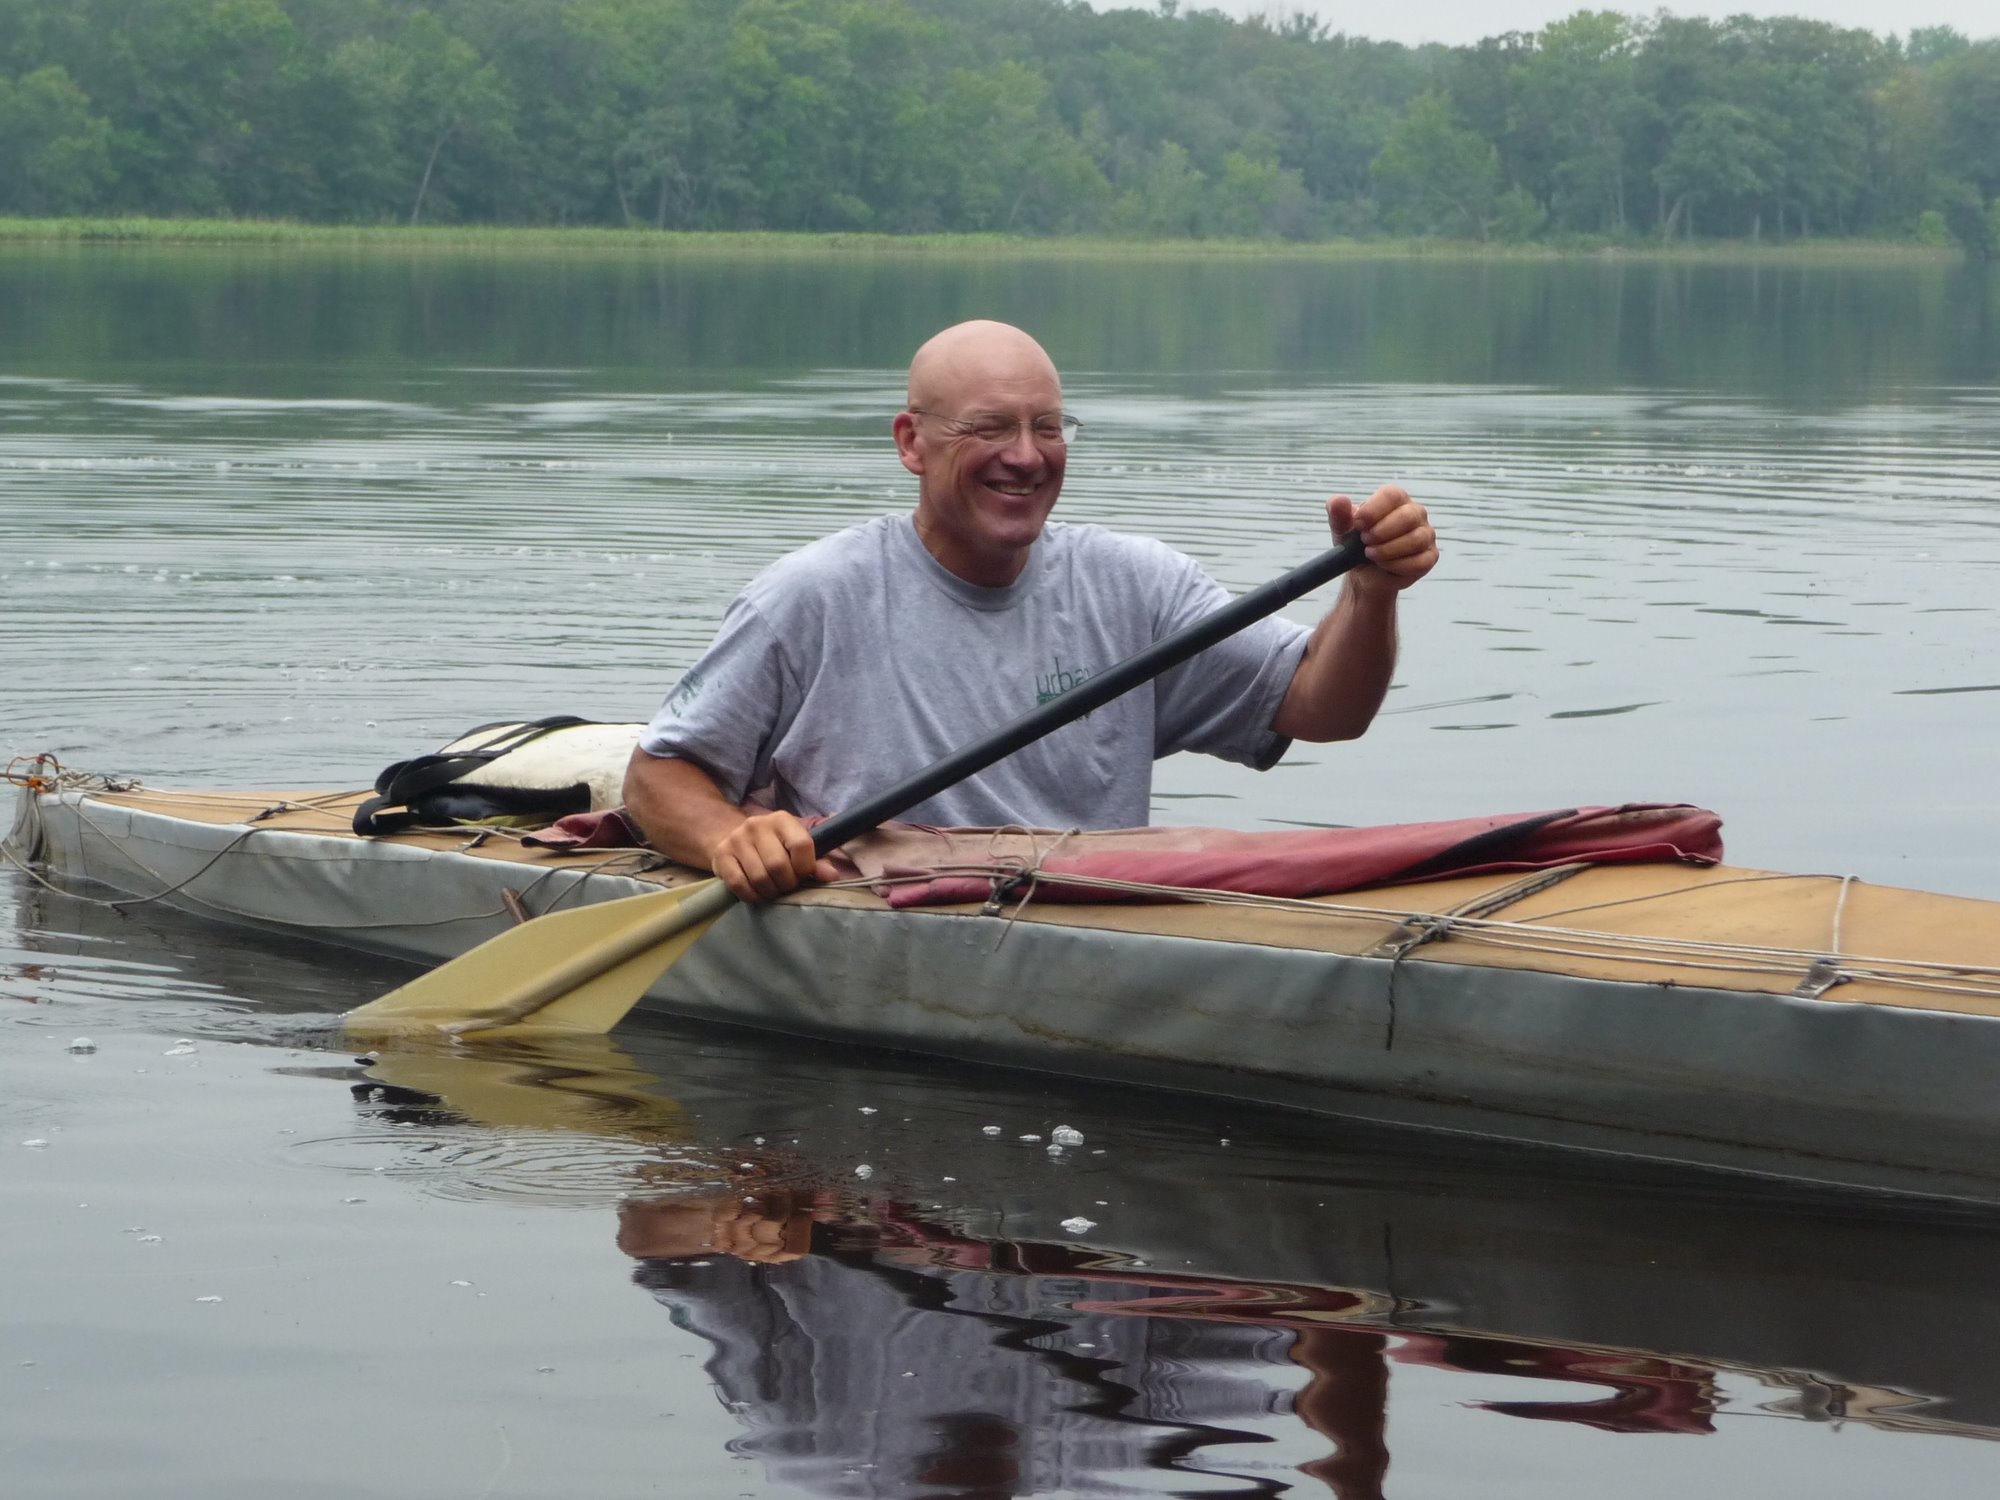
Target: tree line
[[1017, 116]]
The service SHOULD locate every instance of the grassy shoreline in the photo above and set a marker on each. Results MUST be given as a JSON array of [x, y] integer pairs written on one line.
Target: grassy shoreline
[[496, 239]]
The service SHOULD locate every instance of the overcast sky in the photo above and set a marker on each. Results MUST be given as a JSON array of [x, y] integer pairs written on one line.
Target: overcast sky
[[1459, 21]]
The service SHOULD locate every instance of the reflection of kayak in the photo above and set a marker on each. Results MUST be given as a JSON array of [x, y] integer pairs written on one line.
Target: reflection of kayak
[[1808, 1026]]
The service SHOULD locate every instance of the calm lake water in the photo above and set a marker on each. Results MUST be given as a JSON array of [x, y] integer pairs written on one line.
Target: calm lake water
[[1726, 534]]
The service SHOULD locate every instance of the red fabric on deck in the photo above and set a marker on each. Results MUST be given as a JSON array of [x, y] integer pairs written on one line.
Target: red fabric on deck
[[916, 866], [606, 829], [1309, 862]]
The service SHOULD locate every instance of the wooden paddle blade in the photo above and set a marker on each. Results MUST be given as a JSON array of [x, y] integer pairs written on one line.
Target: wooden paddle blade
[[569, 1082], [595, 1004], [581, 969]]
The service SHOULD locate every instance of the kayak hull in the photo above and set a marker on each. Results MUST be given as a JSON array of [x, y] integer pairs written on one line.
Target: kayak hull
[[1298, 1007]]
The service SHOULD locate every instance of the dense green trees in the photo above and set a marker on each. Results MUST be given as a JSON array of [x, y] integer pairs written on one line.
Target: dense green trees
[[1029, 116]]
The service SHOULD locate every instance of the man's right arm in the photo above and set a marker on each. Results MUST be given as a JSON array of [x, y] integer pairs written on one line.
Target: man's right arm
[[684, 815]]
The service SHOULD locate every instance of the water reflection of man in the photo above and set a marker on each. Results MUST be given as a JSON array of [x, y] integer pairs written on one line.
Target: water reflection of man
[[874, 1353], [766, 1229], [872, 653], [898, 1360]]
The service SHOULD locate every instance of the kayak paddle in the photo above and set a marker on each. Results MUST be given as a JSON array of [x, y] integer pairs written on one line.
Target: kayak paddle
[[583, 969]]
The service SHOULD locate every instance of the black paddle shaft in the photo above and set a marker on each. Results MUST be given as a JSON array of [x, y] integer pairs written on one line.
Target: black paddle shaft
[[1092, 693]]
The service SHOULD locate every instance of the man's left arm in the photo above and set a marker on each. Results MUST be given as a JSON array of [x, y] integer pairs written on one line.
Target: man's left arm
[[1351, 656]]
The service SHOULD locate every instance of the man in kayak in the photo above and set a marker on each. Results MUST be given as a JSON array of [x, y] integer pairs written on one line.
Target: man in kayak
[[875, 652]]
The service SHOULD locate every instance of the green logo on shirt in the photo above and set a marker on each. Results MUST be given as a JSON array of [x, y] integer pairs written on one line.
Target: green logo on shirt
[[1052, 686], [682, 697]]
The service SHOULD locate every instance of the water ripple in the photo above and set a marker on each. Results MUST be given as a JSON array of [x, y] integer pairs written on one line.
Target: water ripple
[[473, 1163]]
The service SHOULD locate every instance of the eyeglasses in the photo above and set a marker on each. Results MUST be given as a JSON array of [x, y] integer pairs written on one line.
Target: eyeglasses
[[1049, 431]]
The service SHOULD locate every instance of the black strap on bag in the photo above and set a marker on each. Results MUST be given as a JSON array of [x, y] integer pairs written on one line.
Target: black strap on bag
[[407, 794]]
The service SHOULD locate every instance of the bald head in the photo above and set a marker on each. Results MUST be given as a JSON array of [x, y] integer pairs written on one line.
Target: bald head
[[984, 398], [950, 364]]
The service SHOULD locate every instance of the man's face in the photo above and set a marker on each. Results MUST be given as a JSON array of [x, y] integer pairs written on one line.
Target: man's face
[[981, 502]]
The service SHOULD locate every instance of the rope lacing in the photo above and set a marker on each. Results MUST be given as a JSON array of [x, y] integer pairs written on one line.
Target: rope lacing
[[633, 862], [44, 774], [1537, 935]]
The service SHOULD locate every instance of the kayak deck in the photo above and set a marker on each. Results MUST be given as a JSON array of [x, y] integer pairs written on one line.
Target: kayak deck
[[1723, 926]]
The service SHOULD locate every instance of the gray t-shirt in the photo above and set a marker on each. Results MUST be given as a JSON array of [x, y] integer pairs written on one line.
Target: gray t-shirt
[[860, 660]]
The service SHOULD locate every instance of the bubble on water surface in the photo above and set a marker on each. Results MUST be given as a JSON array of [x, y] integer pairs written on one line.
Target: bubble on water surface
[[83, 1044], [989, 1130], [1078, 1225], [1065, 1135]]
